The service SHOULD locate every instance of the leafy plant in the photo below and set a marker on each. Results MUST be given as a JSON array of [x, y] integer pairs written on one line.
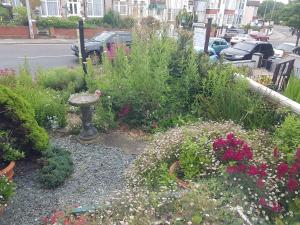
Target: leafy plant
[[20, 15], [287, 135], [194, 157], [7, 152], [7, 190], [292, 89], [58, 166]]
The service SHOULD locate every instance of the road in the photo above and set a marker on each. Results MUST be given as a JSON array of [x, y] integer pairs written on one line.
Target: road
[[38, 55], [54, 53], [281, 34]]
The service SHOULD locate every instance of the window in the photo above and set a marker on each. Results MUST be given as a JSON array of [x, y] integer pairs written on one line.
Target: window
[[121, 7], [95, 8], [73, 8], [50, 8]]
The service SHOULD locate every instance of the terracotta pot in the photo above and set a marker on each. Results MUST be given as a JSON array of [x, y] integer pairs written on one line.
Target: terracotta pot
[[9, 170], [181, 183]]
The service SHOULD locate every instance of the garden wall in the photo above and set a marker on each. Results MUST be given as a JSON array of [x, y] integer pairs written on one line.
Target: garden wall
[[14, 32]]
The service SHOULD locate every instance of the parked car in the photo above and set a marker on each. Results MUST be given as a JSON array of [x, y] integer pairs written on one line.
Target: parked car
[[95, 46], [213, 57], [284, 48], [296, 50], [231, 32], [240, 38], [259, 36], [218, 44], [244, 50]]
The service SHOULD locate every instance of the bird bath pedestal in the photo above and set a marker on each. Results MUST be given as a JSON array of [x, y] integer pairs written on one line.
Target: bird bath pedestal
[[84, 101]]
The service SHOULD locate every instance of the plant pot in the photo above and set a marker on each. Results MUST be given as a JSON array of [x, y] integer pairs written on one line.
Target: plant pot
[[181, 183], [2, 208], [9, 170]]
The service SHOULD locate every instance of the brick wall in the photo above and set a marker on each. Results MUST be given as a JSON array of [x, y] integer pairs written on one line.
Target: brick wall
[[14, 32]]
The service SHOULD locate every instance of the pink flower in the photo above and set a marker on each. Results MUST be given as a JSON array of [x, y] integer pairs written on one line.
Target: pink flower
[[263, 173], [230, 136], [253, 170], [276, 207], [263, 166], [282, 169], [276, 153], [262, 201], [292, 184], [125, 110], [98, 93], [247, 152]]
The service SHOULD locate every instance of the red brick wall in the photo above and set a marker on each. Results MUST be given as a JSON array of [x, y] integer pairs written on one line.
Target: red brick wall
[[14, 32]]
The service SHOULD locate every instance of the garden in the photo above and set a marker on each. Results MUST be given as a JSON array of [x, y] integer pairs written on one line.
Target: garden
[[213, 151]]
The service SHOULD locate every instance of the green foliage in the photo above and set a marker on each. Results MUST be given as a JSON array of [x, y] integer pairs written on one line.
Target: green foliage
[[17, 118], [160, 177], [62, 79], [7, 151], [287, 136], [292, 89], [104, 117], [267, 6], [110, 20], [20, 16], [225, 98], [193, 157], [185, 19], [4, 14], [7, 190], [58, 166]]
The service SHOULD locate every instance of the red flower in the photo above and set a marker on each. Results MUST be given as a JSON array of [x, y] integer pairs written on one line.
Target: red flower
[[298, 153], [293, 169], [229, 154], [238, 156], [219, 144], [230, 136], [247, 152], [232, 169], [276, 153], [292, 184], [276, 207], [125, 110], [242, 168], [260, 183], [282, 169], [263, 173], [263, 166], [253, 170], [262, 201]]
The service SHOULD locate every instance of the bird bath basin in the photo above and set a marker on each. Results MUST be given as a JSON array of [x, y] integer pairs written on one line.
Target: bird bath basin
[[84, 101]]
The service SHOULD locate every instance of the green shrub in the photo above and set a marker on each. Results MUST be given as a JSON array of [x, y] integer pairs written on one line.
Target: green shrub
[[20, 15], [287, 136], [49, 106], [57, 22], [225, 98], [112, 18], [61, 78], [17, 118], [58, 166], [193, 157], [104, 117], [7, 190], [292, 89], [7, 151]]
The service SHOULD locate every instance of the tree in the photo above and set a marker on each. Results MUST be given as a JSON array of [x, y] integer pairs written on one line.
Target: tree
[[266, 7], [291, 17]]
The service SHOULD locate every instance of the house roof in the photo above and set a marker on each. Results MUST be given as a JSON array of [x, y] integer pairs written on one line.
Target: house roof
[[253, 3]]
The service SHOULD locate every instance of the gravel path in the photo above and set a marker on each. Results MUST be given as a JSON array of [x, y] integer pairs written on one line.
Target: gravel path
[[98, 171]]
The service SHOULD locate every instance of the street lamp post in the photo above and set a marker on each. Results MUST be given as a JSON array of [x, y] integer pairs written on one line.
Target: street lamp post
[[29, 20]]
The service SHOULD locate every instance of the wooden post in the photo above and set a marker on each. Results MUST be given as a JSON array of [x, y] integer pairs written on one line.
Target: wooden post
[[207, 35]]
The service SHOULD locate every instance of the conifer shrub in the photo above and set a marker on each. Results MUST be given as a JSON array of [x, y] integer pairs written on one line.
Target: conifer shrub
[[17, 117]]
